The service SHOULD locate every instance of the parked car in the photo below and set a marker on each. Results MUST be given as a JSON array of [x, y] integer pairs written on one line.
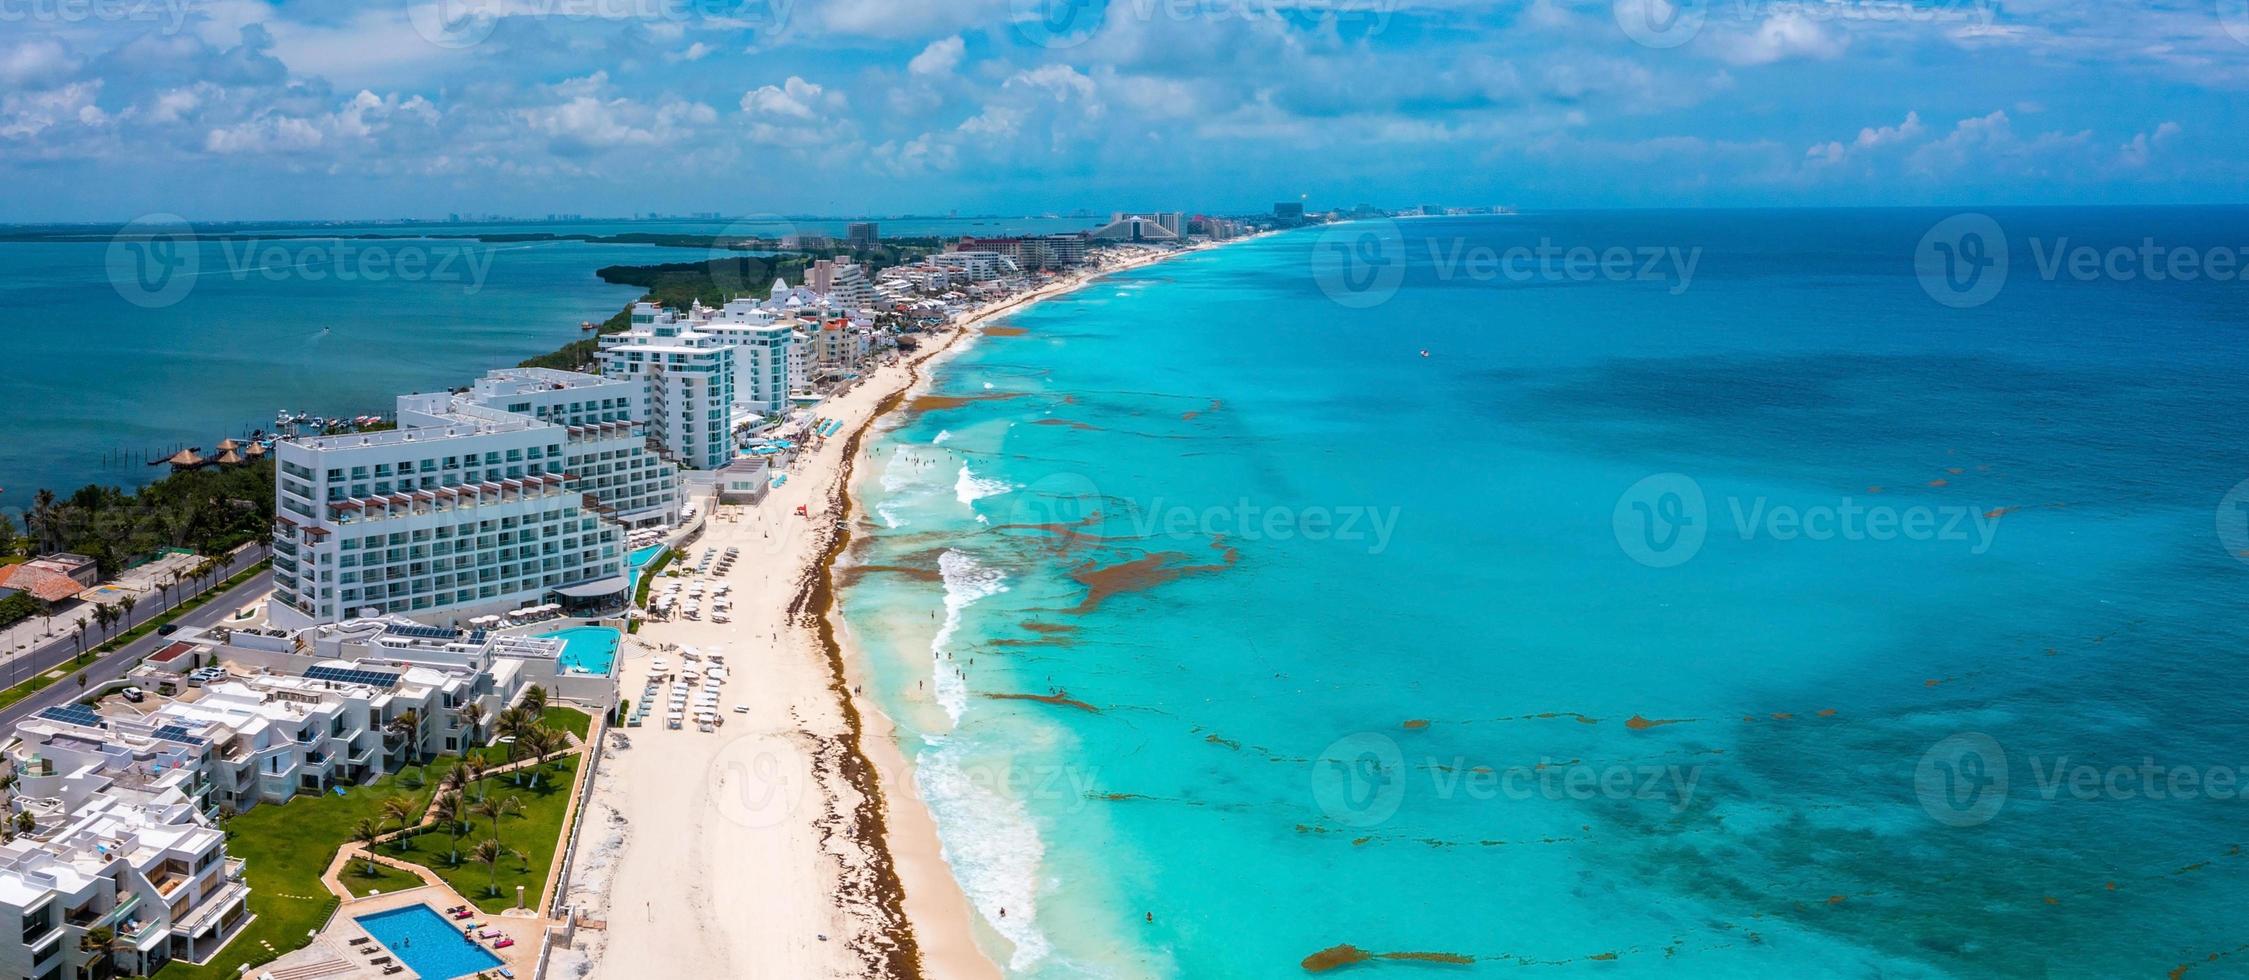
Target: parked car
[[135, 695]]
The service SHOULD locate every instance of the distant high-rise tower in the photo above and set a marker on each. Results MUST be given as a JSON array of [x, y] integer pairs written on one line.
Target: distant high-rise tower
[[862, 234]]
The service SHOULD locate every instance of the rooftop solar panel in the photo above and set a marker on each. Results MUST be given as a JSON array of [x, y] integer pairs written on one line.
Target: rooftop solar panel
[[174, 733], [340, 675]]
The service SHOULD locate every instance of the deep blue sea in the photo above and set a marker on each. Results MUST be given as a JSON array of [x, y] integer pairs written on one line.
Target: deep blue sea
[[1818, 610]]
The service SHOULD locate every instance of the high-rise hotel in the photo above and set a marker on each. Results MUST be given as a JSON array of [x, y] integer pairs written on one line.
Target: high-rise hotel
[[686, 378], [462, 510]]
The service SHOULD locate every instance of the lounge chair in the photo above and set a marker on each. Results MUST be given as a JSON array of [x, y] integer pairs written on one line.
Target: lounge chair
[[503, 943], [362, 941], [490, 934]]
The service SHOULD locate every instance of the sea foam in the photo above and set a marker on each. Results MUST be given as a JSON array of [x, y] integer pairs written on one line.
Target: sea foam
[[966, 580], [991, 844], [969, 488]]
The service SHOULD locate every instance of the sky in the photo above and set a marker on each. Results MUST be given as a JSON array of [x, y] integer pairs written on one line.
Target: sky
[[353, 109]]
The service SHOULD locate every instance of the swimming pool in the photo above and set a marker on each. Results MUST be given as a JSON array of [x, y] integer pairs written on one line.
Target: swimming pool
[[428, 944], [590, 649], [637, 561]]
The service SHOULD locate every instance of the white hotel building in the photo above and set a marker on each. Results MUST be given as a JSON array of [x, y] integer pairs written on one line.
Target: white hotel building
[[607, 454], [118, 848], [455, 514], [686, 380], [763, 341]]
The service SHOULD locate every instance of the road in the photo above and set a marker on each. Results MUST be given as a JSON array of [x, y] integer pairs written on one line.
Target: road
[[22, 667]]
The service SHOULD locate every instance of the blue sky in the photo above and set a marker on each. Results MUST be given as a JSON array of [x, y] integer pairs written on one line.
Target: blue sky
[[219, 109]]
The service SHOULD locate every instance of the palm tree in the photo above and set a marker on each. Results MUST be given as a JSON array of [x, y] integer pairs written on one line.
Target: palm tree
[[365, 832], [472, 774], [493, 808], [127, 603], [400, 811], [489, 853], [472, 715], [407, 727], [453, 811], [104, 940], [535, 700], [226, 813]]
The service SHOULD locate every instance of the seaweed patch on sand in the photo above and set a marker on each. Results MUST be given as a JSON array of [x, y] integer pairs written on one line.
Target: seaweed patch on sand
[[1003, 330]]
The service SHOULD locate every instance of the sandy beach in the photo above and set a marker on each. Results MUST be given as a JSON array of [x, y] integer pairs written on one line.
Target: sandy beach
[[790, 842]]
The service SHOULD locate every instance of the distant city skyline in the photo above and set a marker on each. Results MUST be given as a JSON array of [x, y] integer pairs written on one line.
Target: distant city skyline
[[251, 110]]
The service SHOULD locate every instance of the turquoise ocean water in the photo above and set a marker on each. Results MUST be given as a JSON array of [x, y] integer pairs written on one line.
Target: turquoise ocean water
[[1776, 620]]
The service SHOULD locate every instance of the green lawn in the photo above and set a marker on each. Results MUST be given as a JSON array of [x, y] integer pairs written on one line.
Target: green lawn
[[534, 830], [288, 846], [384, 879], [570, 720]]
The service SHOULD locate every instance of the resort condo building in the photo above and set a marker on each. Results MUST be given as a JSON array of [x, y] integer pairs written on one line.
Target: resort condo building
[[454, 514], [763, 341], [687, 379], [607, 455], [843, 281], [119, 849]]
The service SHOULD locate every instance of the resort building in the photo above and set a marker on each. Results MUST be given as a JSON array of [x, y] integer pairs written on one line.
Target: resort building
[[763, 341], [1136, 228], [457, 513], [970, 265], [687, 382], [606, 456], [1032, 251], [115, 850], [843, 282]]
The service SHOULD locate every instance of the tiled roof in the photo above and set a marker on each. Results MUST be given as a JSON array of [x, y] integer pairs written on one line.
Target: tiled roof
[[43, 584]]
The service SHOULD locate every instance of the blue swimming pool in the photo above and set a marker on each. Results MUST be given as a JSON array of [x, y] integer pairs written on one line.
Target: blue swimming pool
[[588, 649], [427, 943], [638, 560]]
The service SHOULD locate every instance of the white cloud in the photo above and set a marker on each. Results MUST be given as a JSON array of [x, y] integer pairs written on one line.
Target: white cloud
[[36, 63], [792, 99], [939, 58], [1781, 37]]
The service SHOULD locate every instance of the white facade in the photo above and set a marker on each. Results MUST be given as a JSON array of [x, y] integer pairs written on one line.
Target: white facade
[[607, 455], [969, 266], [689, 380], [843, 282], [762, 341], [467, 514], [115, 848]]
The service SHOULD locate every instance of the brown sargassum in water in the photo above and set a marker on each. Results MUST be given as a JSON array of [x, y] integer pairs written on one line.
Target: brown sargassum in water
[[1344, 954], [1143, 573]]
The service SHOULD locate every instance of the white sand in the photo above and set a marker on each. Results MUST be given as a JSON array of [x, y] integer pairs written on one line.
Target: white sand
[[731, 853]]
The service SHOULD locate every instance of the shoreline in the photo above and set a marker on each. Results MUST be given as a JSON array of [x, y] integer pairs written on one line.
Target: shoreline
[[723, 840]]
